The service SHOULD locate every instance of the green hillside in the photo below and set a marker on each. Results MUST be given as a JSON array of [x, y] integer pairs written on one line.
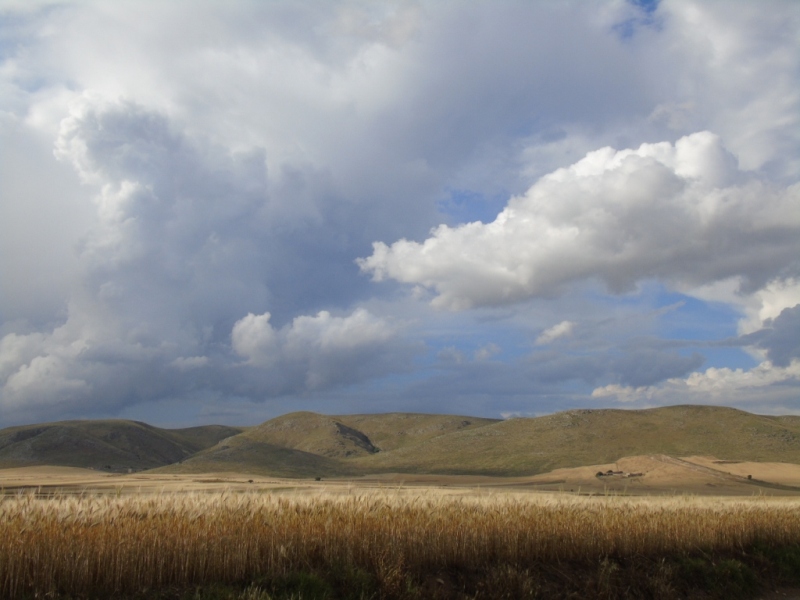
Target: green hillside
[[444, 444], [585, 437], [306, 444], [109, 445], [241, 454], [398, 430], [313, 433]]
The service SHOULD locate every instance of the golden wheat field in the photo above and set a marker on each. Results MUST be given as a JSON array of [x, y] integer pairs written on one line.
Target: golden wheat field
[[96, 545]]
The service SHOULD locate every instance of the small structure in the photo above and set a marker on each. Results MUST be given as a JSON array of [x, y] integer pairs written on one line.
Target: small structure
[[611, 473]]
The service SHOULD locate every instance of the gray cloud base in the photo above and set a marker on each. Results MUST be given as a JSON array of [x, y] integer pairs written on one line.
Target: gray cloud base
[[183, 249]]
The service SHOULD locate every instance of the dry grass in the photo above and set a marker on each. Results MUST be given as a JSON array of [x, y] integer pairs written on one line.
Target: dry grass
[[98, 545]]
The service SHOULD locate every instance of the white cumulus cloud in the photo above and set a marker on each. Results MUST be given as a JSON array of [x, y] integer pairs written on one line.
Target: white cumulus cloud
[[683, 213]]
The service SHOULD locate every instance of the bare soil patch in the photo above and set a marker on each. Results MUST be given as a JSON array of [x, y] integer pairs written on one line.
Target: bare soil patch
[[772, 472]]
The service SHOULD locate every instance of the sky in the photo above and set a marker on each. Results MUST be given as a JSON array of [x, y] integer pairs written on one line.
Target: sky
[[220, 212]]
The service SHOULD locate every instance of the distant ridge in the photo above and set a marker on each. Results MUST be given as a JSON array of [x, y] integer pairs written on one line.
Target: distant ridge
[[305, 444], [109, 445]]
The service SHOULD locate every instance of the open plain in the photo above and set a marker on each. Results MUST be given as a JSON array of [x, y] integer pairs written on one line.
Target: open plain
[[630, 476]]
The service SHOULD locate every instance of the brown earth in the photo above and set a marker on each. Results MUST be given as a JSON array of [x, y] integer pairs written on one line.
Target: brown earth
[[635, 475]]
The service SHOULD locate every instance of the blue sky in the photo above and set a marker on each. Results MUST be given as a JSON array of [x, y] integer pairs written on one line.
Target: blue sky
[[222, 212]]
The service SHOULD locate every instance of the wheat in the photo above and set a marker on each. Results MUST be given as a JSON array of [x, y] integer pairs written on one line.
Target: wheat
[[106, 544]]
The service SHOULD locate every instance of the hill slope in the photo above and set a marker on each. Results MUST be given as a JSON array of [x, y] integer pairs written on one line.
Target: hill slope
[[317, 434], [398, 430], [110, 445], [442, 444], [307, 444], [585, 437]]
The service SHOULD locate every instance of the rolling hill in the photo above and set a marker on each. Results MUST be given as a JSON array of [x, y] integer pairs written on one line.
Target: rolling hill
[[443, 444], [305, 444], [586, 437], [109, 445]]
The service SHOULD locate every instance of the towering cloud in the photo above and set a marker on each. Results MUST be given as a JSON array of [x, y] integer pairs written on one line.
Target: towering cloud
[[180, 253]]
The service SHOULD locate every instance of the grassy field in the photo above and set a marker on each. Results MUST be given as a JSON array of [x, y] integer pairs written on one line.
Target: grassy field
[[404, 543]]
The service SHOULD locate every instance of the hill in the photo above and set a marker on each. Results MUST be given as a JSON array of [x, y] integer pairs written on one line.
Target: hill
[[584, 437], [306, 444], [442, 444], [109, 445]]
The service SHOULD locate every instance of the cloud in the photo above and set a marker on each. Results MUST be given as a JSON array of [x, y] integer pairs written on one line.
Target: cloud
[[42, 219], [764, 387], [648, 367], [75, 369], [637, 366], [486, 352], [681, 213], [768, 328], [81, 365], [780, 339], [540, 382], [451, 356], [189, 363], [783, 342], [186, 240], [237, 158], [317, 352], [744, 50], [553, 333]]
